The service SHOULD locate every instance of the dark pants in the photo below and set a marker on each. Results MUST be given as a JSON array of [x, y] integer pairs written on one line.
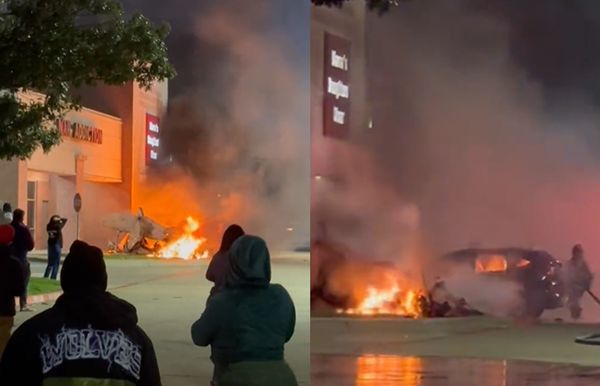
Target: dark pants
[[27, 274], [53, 261]]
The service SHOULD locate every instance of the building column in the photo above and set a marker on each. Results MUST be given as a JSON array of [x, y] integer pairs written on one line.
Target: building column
[[22, 178], [79, 180], [79, 172]]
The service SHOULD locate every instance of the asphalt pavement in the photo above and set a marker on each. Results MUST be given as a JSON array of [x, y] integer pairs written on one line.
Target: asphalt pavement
[[170, 296], [369, 351], [381, 370]]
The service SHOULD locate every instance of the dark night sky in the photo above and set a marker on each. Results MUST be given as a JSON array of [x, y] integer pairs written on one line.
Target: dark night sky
[[556, 41], [197, 62]]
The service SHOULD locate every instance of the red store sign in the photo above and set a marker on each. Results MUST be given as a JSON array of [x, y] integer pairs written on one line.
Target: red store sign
[[79, 131], [152, 139], [336, 87]]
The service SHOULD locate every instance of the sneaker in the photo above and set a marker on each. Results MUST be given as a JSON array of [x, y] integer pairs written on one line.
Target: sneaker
[[27, 309]]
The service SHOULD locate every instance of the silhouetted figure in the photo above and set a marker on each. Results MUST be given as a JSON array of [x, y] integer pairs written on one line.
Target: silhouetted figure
[[89, 336], [219, 265], [55, 245], [12, 284], [578, 279], [441, 299], [22, 244], [248, 322]]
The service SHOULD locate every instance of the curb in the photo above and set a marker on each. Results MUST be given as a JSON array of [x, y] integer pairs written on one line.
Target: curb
[[42, 298]]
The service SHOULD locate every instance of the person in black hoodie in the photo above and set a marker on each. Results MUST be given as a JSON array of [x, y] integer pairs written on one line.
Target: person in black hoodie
[[88, 337], [219, 265], [55, 245], [11, 284]]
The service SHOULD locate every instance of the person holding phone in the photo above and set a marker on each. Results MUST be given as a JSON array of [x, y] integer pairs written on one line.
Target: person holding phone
[[55, 245]]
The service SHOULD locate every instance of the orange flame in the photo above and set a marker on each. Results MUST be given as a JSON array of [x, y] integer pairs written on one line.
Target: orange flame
[[391, 301], [491, 263], [187, 246]]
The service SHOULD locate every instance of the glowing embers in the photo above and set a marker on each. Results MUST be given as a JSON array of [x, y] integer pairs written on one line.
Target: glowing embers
[[187, 246]]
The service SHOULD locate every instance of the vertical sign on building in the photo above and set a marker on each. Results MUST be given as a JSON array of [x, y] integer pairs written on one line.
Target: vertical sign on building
[[152, 139], [336, 100]]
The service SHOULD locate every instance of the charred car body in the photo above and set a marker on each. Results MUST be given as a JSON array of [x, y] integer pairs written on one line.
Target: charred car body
[[537, 272]]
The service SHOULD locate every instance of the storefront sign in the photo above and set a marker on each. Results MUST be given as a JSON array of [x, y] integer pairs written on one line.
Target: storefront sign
[[79, 131], [152, 139], [336, 90]]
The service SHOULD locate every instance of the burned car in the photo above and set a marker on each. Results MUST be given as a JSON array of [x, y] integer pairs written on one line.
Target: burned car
[[536, 271]]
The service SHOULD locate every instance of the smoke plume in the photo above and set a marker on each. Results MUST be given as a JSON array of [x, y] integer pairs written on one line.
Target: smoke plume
[[488, 149], [236, 130]]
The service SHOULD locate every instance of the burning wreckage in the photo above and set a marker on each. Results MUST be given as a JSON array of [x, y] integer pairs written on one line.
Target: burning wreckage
[[354, 287], [139, 234]]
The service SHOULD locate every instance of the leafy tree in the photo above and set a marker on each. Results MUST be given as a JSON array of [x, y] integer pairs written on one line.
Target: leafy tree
[[381, 6], [55, 46]]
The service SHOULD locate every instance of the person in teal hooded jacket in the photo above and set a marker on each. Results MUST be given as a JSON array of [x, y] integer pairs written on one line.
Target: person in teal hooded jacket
[[248, 322]]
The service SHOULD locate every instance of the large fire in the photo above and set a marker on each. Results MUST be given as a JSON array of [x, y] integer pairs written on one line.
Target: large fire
[[387, 301], [187, 246]]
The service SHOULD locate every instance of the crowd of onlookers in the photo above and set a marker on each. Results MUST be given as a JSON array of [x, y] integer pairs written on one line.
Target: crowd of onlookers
[[90, 334]]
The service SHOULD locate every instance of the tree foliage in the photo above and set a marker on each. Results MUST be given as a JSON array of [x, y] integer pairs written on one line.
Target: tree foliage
[[52, 47], [381, 6]]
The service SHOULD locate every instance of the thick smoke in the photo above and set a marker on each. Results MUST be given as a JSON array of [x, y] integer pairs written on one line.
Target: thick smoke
[[237, 131], [466, 133], [490, 295], [472, 143]]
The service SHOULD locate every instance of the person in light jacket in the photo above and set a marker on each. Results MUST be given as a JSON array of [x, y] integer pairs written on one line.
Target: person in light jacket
[[248, 322]]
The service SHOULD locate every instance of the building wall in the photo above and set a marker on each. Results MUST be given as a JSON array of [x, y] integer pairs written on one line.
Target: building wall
[[130, 103], [154, 102], [102, 161], [107, 174], [51, 180], [349, 23], [114, 200], [10, 176]]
